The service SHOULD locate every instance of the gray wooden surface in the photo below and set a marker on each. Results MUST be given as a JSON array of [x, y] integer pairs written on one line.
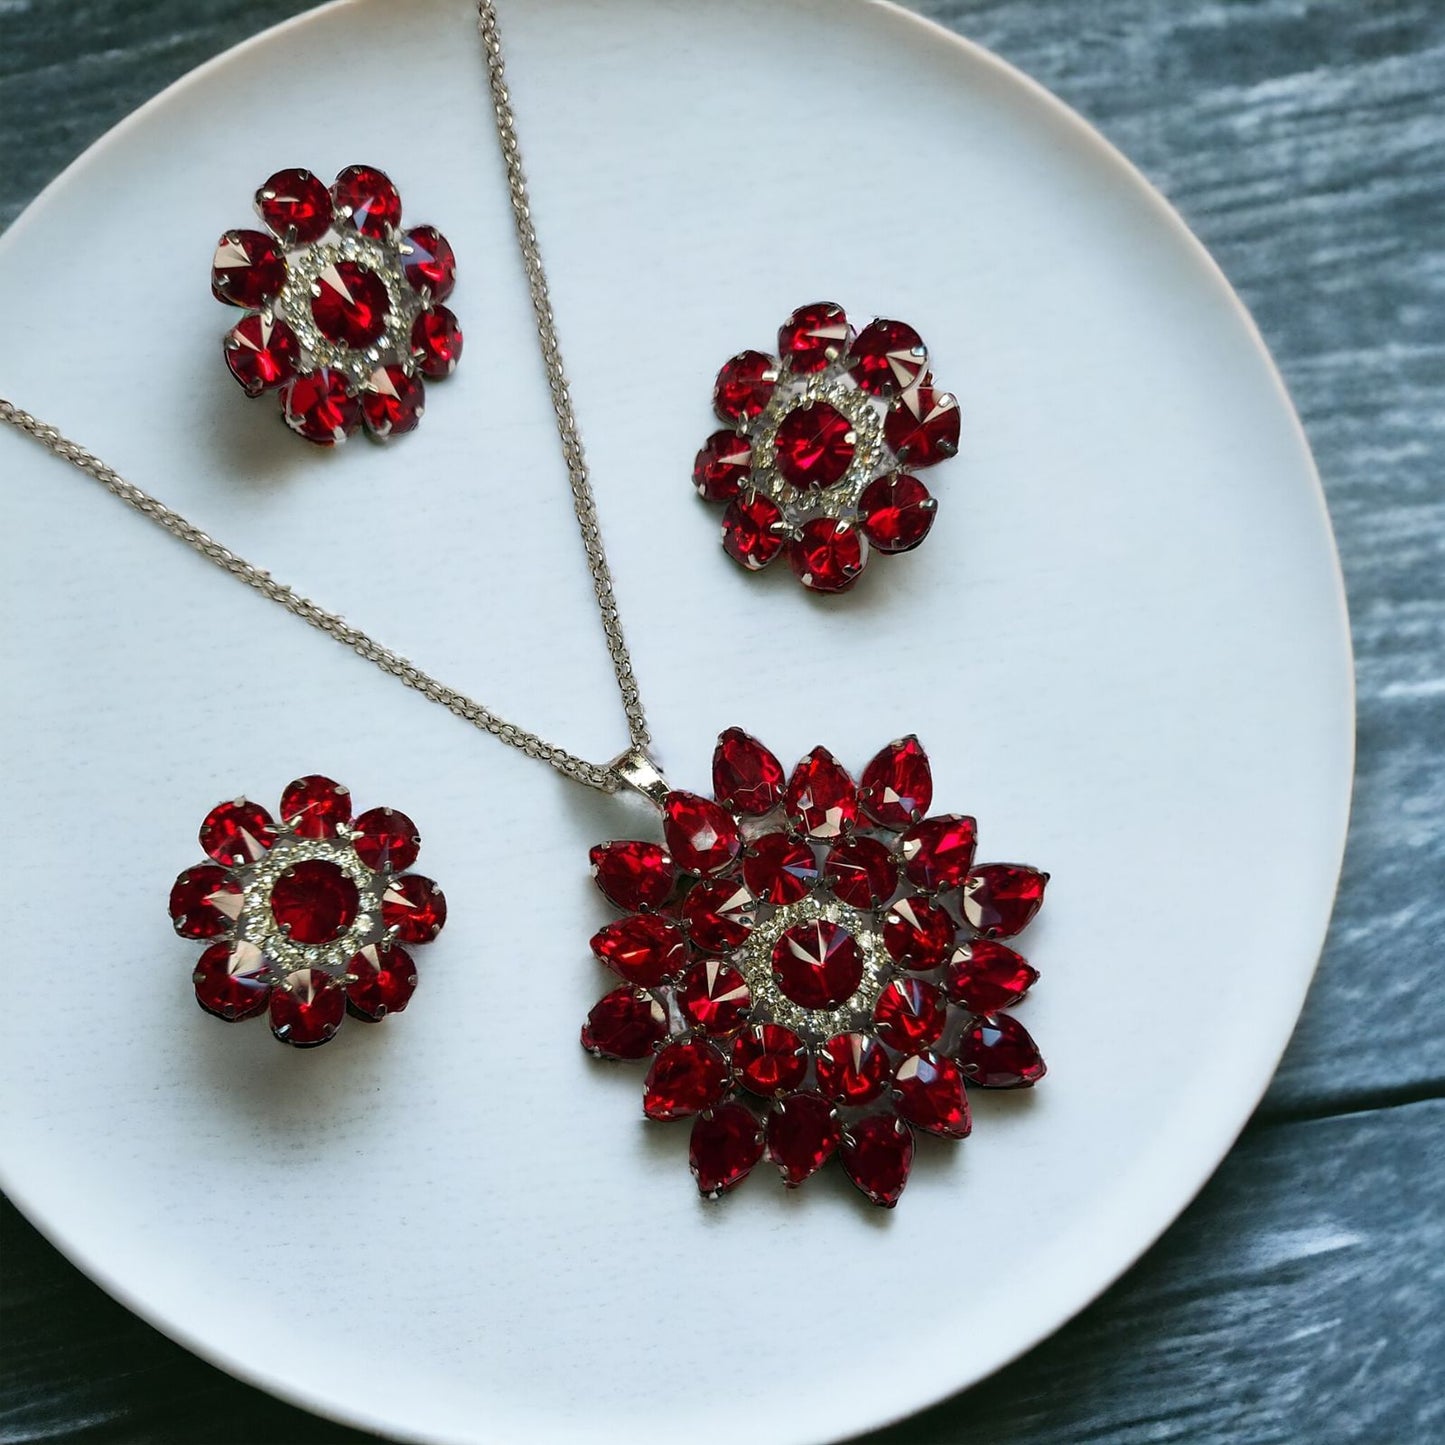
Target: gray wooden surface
[[1302, 1297]]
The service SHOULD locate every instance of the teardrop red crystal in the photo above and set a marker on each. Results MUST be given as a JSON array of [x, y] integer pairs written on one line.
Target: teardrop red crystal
[[726, 1143], [688, 1076], [896, 789], [626, 1024], [1000, 899], [643, 949], [803, 1132], [702, 836], [746, 777], [821, 799], [877, 1153], [928, 1092], [636, 876], [985, 976], [938, 852], [997, 1053]]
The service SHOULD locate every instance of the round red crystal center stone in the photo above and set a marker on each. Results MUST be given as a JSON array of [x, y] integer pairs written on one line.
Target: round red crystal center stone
[[815, 443], [818, 965], [349, 303], [314, 901]]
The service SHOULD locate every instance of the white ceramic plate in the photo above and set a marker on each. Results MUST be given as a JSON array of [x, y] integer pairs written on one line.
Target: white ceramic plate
[[1125, 645]]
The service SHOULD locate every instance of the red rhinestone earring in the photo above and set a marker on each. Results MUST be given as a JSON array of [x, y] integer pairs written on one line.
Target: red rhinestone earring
[[824, 440], [344, 315]]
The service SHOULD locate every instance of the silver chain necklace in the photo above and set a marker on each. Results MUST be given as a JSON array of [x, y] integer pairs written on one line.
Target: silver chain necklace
[[634, 767]]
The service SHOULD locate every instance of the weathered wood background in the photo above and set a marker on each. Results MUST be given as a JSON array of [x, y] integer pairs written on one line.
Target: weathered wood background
[[1302, 1297]]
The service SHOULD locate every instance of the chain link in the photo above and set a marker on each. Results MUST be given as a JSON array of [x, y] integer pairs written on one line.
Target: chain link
[[603, 776]]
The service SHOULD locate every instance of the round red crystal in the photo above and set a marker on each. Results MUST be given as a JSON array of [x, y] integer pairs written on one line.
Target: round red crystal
[[726, 1143], [414, 907], [885, 356], [296, 205], [248, 269], [745, 386], [997, 1053], [853, 1069], [910, 1014], [769, 1059], [896, 511], [636, 876], [643, 949], [876, 1154], [802, 1133], [689, 1075], [366, 197], [204, 902], [385, 979], [262, 352], [828, 555], [814, 336], [702, 836], [626, 1024], [349, 304], [779, 868], [938, 852], [392, 401], [436, 342], [817, 964], [314, 901], [722, 466], [984, 976], [232, 981], [238, 832], [319, 406], [821, 798], [386, 839], [896, 789], [814, 445], [752, 532], [928, 1092], [713, 997], [314, 807], [719, 915], [922, 425], [429, 262], [1000, 899], [918, 934], [307, 1008], [861, 871], [746, 777]]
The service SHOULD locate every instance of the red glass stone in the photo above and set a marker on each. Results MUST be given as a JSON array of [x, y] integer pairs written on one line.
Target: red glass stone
[[814, 336], [817, 964], [910, 1015], [314, 901], [922, 425], [876, 1154], [392, 401], [248, 269], [204, 902], [928, 1092], [769, 1059], [296, 205], [636, 876], [938, 852], [779, 868], [644, 949], [802, 1133], [896, 512], [746, 777], [828, 555], [366, 197], [745, 386], [386, 839], [752, 530], [436, 342], [232, 981], [307, 1008], [896, 789], [1000, 899], [689, 1075], [702, 836], [713, 997], [814, 445], [415, 907], [997, 1053], [984, 976], [262, 352], [722, 466], [349, 304], [385, 979], [626, 1024], [853, 1069], [862, 872], [238, 832], [726, 1143], [429, 262], [319, 406], [821, 799], [918, 935], [719, 915], [885, 356], [313, 806]]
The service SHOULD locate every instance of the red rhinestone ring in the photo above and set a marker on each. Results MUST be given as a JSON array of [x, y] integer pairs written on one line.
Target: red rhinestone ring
[[343, 307], [814, 967], [306, 918], [825, 438]]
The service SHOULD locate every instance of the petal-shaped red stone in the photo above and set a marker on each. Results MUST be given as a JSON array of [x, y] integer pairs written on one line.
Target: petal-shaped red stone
[[821, 800], [238, 832], [885, 356], [248, 269], [320, 406], [918, 934], [232, 981], [349, 304], [636, 876], [385, 838], [726, 1143], [862, 871], [779, 868], [813, 337], [985, 976], [643, 948], [392, 401], [367, 198], [436, 341], [938, 852], [626, 1024], [817, 964], [296, 206], [752, 532], [896, 512], [928, 1092], [307, 1008], [828, 555], [803, 1132], [877, 1153], [384, 981], [415, 907], [745, 386], [719, 915], [722, 466], [997, 1053], [922, 425], [702, 836], [689, 1075], [746, 777], [1000, 899], [853, 1069], [313, 901], [896, 789], [314, 807], [910, 1015], [205, 901], [429, 262], [814, 445], [262, 351], [713, 997], [769, 1059]]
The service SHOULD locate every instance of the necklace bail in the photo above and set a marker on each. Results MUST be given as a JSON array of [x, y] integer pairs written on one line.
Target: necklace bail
[[637, 770]]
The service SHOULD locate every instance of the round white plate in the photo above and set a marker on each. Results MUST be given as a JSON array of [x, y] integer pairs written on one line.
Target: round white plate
[[1125, 646]]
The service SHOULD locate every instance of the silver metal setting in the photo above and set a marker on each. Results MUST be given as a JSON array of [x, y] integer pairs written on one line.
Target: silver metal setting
[[638, 771]]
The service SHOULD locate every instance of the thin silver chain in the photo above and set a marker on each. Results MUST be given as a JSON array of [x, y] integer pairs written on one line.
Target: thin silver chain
[[606, 777]]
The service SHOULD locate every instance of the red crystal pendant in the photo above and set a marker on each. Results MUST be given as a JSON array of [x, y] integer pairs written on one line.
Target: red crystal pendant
[[726, 1143]]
